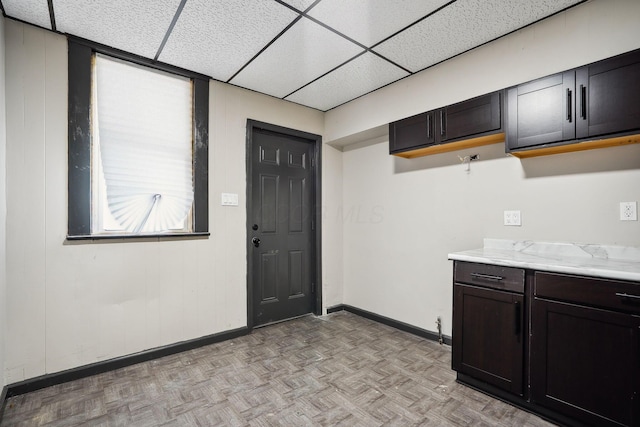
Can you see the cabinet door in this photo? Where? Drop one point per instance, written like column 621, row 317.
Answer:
column 541, row 111
column 466, row 119
column 609, row 96
column 488, row 336
column 412, row 132
column 584, row 363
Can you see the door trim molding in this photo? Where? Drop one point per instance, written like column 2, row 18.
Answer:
column 316, row 140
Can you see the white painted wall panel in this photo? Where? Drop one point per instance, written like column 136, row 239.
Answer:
column 3, row 209
column 332, row 228
column 405, row 216
column 75, row 303
column 25, row 92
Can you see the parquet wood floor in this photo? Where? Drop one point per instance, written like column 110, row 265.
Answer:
column 335, row 370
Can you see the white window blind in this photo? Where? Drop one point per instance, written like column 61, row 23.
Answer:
column 142, row 149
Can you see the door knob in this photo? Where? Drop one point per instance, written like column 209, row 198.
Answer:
column 255, row 241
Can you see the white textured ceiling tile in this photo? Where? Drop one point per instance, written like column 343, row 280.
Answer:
column 304, row 53
column 33, row 11
column 218, row 38
column 301, row 5
column 370, row 21
column 464, row 25
column 136, row 26
column 360, row 76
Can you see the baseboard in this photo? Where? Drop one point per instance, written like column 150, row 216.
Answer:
column 48, row 380
column 433, row 336
column 3, row 398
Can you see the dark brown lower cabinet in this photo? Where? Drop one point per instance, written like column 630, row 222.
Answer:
column 584, row 363
column 488, row 341
column 585, row 359
column 564, row 346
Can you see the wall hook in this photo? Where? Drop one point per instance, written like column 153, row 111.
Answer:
column 466, row 160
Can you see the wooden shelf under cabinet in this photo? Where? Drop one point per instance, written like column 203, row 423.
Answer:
column 452, row 146
column 577, row 146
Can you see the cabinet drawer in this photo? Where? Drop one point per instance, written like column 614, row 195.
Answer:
column 610, row 294
column 489, row 276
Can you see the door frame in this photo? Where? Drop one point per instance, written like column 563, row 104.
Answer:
column 316, row 209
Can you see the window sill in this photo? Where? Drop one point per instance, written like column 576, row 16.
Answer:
column 158, row 237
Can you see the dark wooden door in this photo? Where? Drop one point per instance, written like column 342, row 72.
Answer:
column 474, row 117
column 585, row 363
column 411, row 133
column 488, row 335
column 281, row 226
column 608, row 96
column 542, row 111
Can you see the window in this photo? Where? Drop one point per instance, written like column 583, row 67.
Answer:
column 138, row 147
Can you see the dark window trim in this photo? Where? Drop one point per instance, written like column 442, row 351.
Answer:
column 80, row 55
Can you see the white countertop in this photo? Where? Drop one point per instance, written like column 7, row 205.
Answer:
column 611, row 262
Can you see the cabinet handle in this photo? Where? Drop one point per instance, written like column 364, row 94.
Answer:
column 569, row 105
column 487, row 276
column 428, row 126
column 442, row 124
column 518, row 315
column 583, row 102
column 627, row 296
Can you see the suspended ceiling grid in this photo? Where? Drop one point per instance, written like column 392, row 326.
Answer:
column 318, row 53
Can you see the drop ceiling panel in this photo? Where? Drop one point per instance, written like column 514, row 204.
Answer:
column 34, row 11
column 360, row 76
column 218, row 38
column 370, row 21
column 464, row 25
column 303, row 53
column 136, row 26
column 301, row 5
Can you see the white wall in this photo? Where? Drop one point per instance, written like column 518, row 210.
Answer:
column 405, row 216
column 3, row 210
column 71, row 304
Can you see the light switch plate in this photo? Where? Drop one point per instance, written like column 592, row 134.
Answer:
column 628, row 211
column 229, row 199
column 512, row 218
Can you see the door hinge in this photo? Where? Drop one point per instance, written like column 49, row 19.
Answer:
column 313, row 225
column 313, row 288
column 313, row 161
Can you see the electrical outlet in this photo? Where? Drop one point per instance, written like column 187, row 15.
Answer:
column 512, row 218
column 628, row 211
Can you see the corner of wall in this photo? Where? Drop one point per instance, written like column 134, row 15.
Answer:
column 3, row 210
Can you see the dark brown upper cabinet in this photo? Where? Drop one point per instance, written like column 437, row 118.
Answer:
column 412, row 132
column 589, row 107
column 475, row 117
column 608, row 94
column 541, row 111
column 470, row 123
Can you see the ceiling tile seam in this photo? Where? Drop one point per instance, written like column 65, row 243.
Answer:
column 176, row 16
column 296, row 10
column 280, row 34
column 333, row 30
column 328, row 72
column 52, row 15
column 413, row 23
column 362, row 46
column 379, row 55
